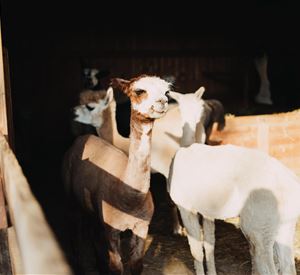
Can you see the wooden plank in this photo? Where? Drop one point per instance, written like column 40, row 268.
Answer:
column 14, row 252
column 3, row 218
column 276, row 134
column 8, row 98
column 40, row 252
column 5, row 266
column 3, row 111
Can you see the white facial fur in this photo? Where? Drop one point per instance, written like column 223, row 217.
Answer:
column 191, row 107
column 93, row 117
column 155, row 104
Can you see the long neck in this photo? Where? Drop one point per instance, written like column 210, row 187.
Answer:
column 137, row 173
column 188, row 135
column 192, row 134
column 109, row 130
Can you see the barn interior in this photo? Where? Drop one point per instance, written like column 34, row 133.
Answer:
column 48, row 44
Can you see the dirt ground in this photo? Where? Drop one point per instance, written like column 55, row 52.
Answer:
column 170, row 255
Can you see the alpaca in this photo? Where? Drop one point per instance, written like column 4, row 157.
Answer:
column 113, row 185
column 92, row 105
column 203, row 114
column 87, row 116
column 264, row 94
column 100, row 114
column 95, row 79
column 247, row 183
column 167, row 132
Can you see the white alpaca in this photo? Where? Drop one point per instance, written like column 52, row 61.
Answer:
column 114, row 186
column 226, row 181
column 167, row 131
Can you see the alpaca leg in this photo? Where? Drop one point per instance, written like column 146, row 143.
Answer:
column 209, row 245
column 284, row 248
column 85, row 244
column 259, row 222
column 261, row 251
column 114, row 248
column 195, row 237
column 263, row 259
column 178, row 229
column 261, row 236
column 137, row 246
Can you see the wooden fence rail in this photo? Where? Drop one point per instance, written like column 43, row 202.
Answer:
column 35, row 243
column 276, row 134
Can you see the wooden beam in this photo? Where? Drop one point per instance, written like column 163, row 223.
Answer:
column 5, row 263
column 14, row 252
column 3, row 111
column 276, row 134
column 3, row 218
column 39, row 250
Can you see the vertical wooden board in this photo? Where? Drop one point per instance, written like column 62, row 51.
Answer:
column 8, row 98
column 5, row 263
column 3, row 111
column 14, row 252
column 3, row 218
column 276, row 134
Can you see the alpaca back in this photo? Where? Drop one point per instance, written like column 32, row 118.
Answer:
column 99, row 163
column 217, row 180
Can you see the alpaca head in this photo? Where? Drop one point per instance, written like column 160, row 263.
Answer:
column 95, row 79
column 148, row 95
column 92, row 106
column 90, row 78
column 191, row 108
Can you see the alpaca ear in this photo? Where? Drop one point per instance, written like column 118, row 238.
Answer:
column 109, row 96
column 119, row 84
column 174, row 95
column 199, row 93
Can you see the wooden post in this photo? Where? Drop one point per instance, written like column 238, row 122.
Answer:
column 3, row 111
column 5, row 262
column 6, row 119
column 39, row 250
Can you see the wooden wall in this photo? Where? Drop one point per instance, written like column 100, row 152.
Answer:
column 276, row 134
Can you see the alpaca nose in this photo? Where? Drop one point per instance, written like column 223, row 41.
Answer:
column 163, row 100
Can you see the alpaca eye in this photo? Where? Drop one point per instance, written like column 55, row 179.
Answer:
column 167, row 94
column 140, row 92
column 89, row 107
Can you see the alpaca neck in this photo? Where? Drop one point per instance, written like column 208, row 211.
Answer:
column 109, row 130
column 188, row 135
column 137, row 173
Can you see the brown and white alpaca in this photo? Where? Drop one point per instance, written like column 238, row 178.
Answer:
column 116, row 187
column 92, row 105
column 167, row 131
column 87, row 116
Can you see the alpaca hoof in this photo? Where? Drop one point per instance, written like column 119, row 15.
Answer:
column 180, row 230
